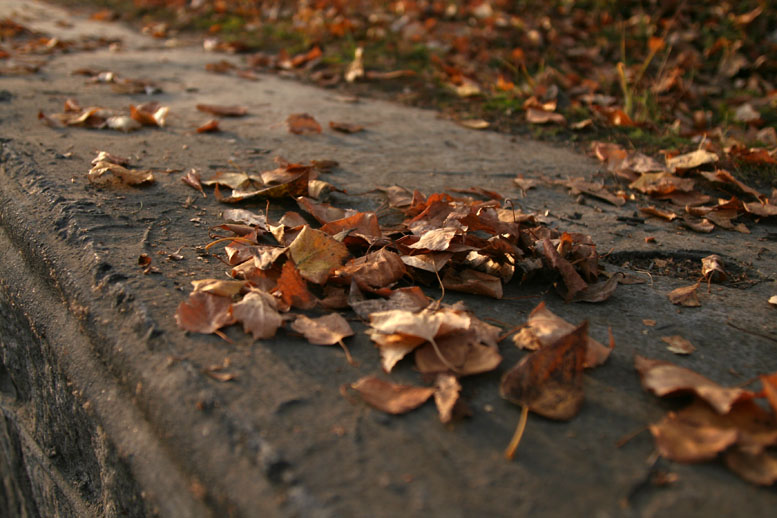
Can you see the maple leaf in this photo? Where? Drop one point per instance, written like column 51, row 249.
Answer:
column 303, row 124
column 258, row 311
column 549, row 381
column 204, row 313
column 664, row 378
column 390, row 397
column 545, row 327
column 316, row 254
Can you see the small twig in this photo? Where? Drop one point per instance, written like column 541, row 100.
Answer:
column 516, row 440
column 236, row 238
column 629, row 436
column 348, row 356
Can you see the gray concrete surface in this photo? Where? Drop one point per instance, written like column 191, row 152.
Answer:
column 106, row 412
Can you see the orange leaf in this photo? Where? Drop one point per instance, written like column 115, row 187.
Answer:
column 258, row 311
column 303, row 124
column 223, row 111
column 327, row 330
column 204, row 313
column 293, row 289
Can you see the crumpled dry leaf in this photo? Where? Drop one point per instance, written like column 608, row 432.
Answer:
column 459, row 353
column 678, row 344
column 685, row 296
column 355, row 68
column 550, row 381
column 375, row 270
column 302, row 124
column 212, row 126
column 204, row 313
column 124, row 175
column 258, row 311
column 316, row 254
column 327, row 330
column 712, row 268
column 446, row 395
column 192, row 179
column 390, row 397
column 543, row 328
column 684, row 442
column 572, row 280
column 578, row 185
column 664, row 378
column 538, row 116
column 410, row 299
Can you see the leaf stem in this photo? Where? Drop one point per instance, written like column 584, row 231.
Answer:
column 516, row 440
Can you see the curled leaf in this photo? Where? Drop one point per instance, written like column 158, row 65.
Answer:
column 391, row 397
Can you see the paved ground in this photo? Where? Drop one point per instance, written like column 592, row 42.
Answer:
column 105, row 410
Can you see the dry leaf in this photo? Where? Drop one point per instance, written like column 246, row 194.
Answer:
column 664, row 378
column 690, row 160
column 303, row 124
column 550, row 381
column 316, row 254
column 393, row 347
column 204, row 313
column 545, row 327
column 355, row 68
column 684, row 442
column 685, row 296
column 223, row 111
column 678, row 344
column 127, row 176
column 345, row 127
column 759, row 468
column 538, row 116
column 446, row 395
column 389, row 397
column 258, row 311
column 211, row 126
column 572, row 280
column 476, row 124
column 293, row 289
column 222, row 288
column 712, row 268
column 192, row 179
column 659, row 213
column 459, row 353
column 327, row 330
column 473, row 281
column 600, row 291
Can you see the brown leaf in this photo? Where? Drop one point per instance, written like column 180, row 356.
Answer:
column 664, row 378
column 258, row 311
column 578, row 185
column 446, row 395
column 691, row 160
column 473, row 281
column 550, row 381
column 572, row 280
column 600, row 291
column 433, row 262
column 393, row 347
column 759, row 468
column 327, row 330
column 476, row 124
column 685, row 296
column 538, row 116
column 127, row 176
column 293, row 289
column 316, row 254
column 376, row 270
column 545, row 327
column 222, row 288
column 684, row 442
column 345, row 127
column 409, row 299
column 663, row 214
column 724, row 177
column 678, row 344
column 223, row 111
column 461, row 353
column 435, row 240
column 192, row 179
column 363, row 225
column 303, row 124
column 204, row 313
column 212, row 126
column 390, row 397
column 712, row 268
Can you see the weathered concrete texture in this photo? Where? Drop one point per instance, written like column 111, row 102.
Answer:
column 106, row 412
